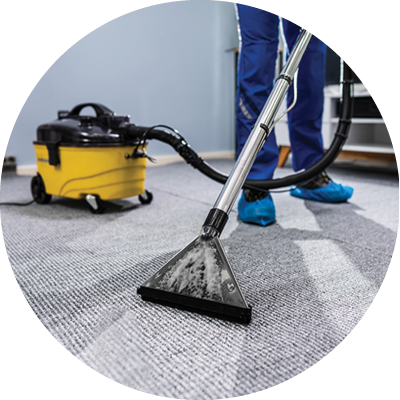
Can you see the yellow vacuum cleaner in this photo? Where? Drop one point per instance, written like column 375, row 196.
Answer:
column 84, row 157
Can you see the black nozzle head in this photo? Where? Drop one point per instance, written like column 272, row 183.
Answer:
column 200, row 279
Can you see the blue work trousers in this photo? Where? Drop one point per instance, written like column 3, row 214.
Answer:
column 259, row 32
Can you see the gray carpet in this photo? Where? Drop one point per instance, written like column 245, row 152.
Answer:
column 310, row 278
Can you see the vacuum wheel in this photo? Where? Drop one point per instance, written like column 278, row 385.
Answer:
column 96, row 205
column 38, row 190
column 146, row 197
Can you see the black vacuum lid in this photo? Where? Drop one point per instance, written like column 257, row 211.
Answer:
column 73, row 129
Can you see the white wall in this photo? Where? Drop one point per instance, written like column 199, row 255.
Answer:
column 167, row 64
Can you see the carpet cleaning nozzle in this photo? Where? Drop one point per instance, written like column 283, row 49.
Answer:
column 199, row 278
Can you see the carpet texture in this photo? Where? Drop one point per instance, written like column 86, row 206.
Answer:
column 310, row 278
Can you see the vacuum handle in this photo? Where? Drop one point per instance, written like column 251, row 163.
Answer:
column 98, row 108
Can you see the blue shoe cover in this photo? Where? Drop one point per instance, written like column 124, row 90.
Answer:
column 332, row 193
column 260, row 212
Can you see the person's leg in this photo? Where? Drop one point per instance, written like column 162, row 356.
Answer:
column 305, row 120
column 259, row 38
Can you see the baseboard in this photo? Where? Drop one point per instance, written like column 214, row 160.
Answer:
column 170, row 159
column 30, row 170
column 228, row 155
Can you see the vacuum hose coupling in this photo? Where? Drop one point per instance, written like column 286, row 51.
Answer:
column 214, row 224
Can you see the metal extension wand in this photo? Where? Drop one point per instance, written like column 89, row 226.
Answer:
column 199, row 278
column 218, row 215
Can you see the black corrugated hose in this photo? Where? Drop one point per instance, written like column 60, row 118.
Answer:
column 175, row 140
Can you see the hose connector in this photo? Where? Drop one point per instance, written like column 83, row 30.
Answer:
column 214, row 223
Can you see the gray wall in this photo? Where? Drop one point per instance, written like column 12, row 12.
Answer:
column 167, row 64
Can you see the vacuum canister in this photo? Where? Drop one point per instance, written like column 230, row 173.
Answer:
column 87, row 157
